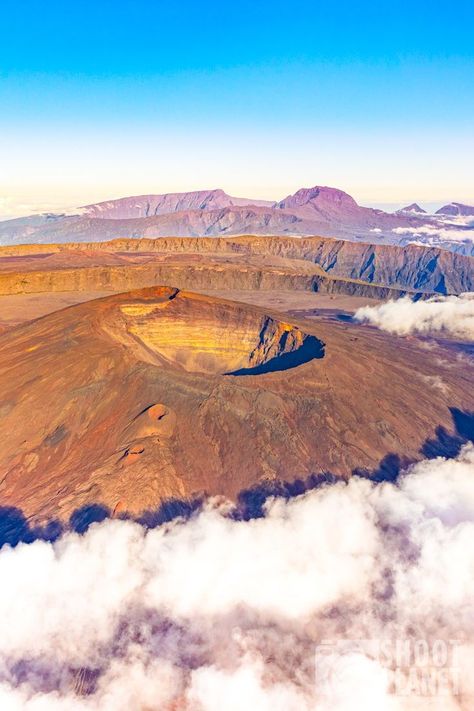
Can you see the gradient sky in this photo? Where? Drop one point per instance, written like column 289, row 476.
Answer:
column 104, row 99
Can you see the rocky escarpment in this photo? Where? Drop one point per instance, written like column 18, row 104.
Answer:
column 410, row 268
column 184, row 276
column 413, row 268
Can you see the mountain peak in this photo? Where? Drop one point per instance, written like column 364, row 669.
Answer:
column 319, row 194
column 456, row 208
column 414, row 207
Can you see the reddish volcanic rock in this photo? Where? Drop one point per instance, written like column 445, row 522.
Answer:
column 161, row 394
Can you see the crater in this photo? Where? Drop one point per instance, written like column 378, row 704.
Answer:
column 206, row 335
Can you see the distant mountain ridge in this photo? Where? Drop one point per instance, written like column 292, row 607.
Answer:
column 152, row 205
column 456, row 208
column 318, row 210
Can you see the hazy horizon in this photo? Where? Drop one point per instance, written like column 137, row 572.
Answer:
column 254, row 99
column 9, row 209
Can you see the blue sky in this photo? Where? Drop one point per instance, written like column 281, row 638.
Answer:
column 104, row 99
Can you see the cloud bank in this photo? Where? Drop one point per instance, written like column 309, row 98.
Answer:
column 449, row 314
column 437, row 234
column 213, row 613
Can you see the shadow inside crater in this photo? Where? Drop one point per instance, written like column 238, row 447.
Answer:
column 311, row 348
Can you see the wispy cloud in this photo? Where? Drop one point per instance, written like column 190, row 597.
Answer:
column 457, row 220
column 438, row 234
column 449, row 314
column 11, row 208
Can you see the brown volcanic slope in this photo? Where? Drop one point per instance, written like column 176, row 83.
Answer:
column 139, row 397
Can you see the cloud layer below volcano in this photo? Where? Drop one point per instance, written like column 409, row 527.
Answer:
column 213, row 612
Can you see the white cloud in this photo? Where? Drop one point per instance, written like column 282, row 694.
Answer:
column 214, row 613
column 10, row 208
column 435, row 234
column 448, row 314
column 457, row 220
